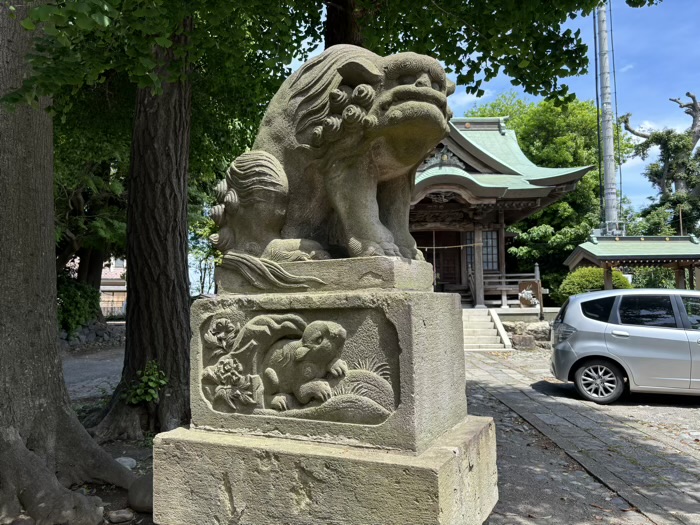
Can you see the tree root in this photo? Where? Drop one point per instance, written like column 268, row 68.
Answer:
column 120, row 422
column 35, row 473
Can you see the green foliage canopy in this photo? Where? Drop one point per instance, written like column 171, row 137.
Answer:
column 91, row 160
column 255, row 39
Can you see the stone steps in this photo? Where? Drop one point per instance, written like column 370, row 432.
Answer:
column 475, row 332
column 483, row 339
column 484, row 346
column 479, row 331
column 479, row 325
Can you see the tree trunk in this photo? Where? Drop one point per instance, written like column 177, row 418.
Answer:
column 43, row 447
column 157, row 317
column 90, row 268
column 341, row 23
column 90, row 272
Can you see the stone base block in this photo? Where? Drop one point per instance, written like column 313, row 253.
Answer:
column 358, row 273
column 218, row 478
column 413, row 339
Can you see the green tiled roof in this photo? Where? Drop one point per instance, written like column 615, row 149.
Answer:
column 636, row 249
column 503, row 147
column 484, row 184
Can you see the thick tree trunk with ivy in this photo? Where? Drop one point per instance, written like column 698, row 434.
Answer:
column 341, row 25
column 157, row 318
column 43, row 447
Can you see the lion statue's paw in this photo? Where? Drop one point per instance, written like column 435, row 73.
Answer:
column 411, row 252
column 366, row 248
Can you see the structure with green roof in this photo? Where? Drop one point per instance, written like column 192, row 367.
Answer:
column 676, row 252
column 474, row 185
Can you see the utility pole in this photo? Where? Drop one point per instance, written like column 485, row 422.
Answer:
column 612, row 225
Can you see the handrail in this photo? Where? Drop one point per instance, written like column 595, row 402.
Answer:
column 472, row 283
column 500, row 330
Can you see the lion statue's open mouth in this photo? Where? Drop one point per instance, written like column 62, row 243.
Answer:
column 337, row 151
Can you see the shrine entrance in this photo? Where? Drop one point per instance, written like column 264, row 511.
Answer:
column 442, row 250
column 474, row 185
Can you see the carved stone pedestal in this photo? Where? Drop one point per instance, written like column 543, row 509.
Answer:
column 218, row 478
column 329, row 407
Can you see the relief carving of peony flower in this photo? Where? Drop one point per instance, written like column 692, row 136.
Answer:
column 234, row 388
column 221, row 336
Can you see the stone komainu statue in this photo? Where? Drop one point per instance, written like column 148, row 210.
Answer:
column 333, row 165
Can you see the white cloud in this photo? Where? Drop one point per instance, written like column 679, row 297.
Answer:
column 634, row 162
column 678, row 124
column 626, row 68
column 460, row 100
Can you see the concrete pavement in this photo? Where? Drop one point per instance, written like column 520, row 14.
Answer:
column 92, row 374
column 656, row 473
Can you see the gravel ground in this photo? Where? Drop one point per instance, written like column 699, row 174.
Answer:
column 538, row 482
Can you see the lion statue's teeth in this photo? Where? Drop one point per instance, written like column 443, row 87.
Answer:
column 335, row 158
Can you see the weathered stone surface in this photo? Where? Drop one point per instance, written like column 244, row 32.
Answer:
column 523, row 342
column 327, row 390
column 529, row 335
column 366, row 273
column 410, row 341
column 23, row 520
column 252, row 480
column 541, row 331
column 334, row 161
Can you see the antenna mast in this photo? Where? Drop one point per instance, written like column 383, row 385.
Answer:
column 612, row 221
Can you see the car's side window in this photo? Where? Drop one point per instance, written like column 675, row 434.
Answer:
column 598, row 309
column 692, row 308
column 647, row 310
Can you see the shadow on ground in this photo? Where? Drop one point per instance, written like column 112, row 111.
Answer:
column 645, row 448
column 538, row 482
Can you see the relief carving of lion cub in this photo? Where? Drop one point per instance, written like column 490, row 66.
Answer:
column 298, row 368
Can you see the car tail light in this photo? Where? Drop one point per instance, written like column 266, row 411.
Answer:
column 563, row 332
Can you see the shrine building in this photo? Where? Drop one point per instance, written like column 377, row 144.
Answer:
column 475, row 184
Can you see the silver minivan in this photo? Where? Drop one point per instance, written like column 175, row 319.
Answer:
column 644, row 340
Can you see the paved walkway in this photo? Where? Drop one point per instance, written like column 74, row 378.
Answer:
column 658, row 475
column 92, row 374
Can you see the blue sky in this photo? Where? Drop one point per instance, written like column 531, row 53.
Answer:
column 656, row 56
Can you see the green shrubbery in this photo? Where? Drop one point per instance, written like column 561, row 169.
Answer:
column 587, row 280
column 78, row 304
column 653, row 277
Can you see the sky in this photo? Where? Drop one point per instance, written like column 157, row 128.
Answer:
column 656, row 57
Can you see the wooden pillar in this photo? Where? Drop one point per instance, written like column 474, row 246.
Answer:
column 502, row 256
column 463, row 258
column 691, row 277
column 501, row 242
column 680, row 277
column 607, row 278
column 479, row 266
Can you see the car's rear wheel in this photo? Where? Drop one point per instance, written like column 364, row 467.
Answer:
column 599, row 381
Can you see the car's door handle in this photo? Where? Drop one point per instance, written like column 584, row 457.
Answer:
column 620, row 333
